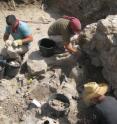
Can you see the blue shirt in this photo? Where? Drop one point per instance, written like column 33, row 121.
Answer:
column 21, row 32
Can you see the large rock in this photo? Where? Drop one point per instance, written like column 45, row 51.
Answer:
column 100, row 42
column 87, row 10
column 36, row 63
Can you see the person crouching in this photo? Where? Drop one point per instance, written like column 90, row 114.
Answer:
column 105, row 107
column 63, row 31
column 22, row 36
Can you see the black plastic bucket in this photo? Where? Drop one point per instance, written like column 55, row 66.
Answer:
column 62, row 98
column 47, row 47
column 12, row 69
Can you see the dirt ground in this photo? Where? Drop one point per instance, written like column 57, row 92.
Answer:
column 15, row 107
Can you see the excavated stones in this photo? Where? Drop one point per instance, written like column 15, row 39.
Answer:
column 99, row 41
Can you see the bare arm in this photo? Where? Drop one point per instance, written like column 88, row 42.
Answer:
column 27, row 39
column 6, row 36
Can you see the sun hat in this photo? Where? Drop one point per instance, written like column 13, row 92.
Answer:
column 93, row 90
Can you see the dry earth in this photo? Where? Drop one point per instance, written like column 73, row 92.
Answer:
column 15, row 98
column 13, row 106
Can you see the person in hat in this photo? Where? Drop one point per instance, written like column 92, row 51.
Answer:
column 64, row 32
column 21, row 33
column 105, row 107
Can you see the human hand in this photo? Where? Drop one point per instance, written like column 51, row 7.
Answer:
column 17, row 43
column 8, row 42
